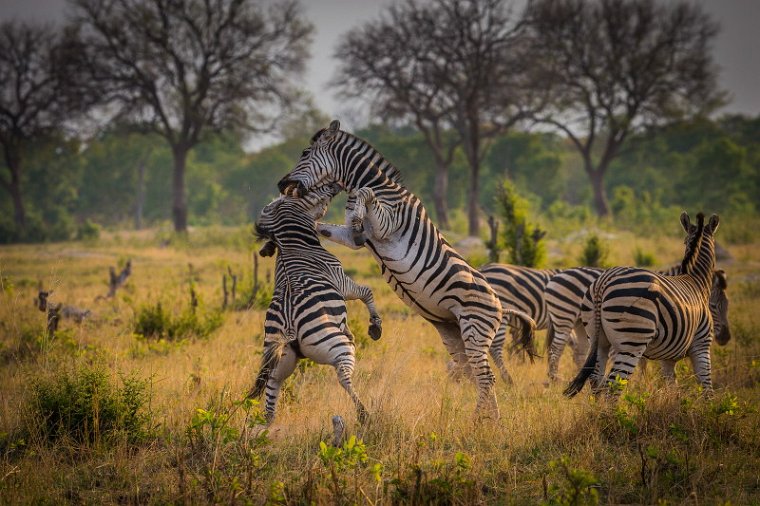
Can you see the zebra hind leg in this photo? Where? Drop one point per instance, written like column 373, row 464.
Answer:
column 345, row 371
column 557, row 346
column 497, row 352
column 476, row 346
column 281, row 372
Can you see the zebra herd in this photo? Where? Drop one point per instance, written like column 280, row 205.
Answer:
column 627, row 314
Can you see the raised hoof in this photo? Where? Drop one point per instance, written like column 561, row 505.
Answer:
column 325, row 233
column 359, row 238
column 375, row 331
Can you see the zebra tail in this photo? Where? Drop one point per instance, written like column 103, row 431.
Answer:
column 527, row 330
column 269, row 362
column 589, row 366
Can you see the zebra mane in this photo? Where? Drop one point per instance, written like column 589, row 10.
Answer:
column 385, row 167
column 692, row 248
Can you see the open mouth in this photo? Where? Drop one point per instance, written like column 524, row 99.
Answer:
column 291, row 188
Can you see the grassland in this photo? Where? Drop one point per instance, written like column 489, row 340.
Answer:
column 191, row 440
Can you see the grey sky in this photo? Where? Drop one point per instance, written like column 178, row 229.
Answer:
column 737, row 48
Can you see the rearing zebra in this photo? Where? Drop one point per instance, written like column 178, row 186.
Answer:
column 629, row 313
column 415, row 260
column 307, row 315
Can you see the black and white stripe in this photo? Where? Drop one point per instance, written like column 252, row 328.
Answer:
column 522, row 289
column 414, row 258
column 631, row 313
column 307, row 316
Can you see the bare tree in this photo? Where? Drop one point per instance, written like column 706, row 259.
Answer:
column 184, row 67
column 454, row 67
column 616, row 66
column 34, row 96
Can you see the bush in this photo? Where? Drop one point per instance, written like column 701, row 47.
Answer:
column 523, row 240
column 88, row 231
column 594, row 253
column 643, row 258
column 153, row 321
column 86, row 406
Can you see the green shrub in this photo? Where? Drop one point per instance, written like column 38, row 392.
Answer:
column 86, row 406
column 88, row 231
column 594, row 253
column 153, row 321
column 643, row 258
column 523, row 240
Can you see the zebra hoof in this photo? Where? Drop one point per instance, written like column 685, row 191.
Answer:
column 325, row 233
column 359, row 239
column 375, row 331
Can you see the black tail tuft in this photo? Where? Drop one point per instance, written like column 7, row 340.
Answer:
column 526, row 329
column 269, row 363
column 586, row 371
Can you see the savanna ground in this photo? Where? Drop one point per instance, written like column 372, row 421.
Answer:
column 99, row 414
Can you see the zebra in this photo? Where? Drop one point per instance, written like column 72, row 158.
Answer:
column 629, row 313
column 564, row 296
column 421, row 267
column 307, row 316
column 520, row 288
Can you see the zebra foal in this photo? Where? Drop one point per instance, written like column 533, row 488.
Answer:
column 631, row 313
column 415, row 260
column 307, row 316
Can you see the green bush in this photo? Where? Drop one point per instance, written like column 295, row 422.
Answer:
column 153, row 321
column 88, row 231
column 594, row 253
column 643, row 258
column 86, row 406
column 523, row 240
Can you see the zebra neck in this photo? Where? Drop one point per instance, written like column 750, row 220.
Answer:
column 702, row 266
column 362, row 166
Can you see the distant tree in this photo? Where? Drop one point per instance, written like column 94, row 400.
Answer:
column 35, row 97
column 186, row 67
column 617, row 66
column 452, row 67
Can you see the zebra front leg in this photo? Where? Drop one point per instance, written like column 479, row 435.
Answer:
column 702, row 363
column 345, row 370
column 668, row 370
column 340, row 234
column 356, row 212
column 364, row 293
column 497, row 351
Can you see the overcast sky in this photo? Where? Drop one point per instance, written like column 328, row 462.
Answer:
column 737, row 48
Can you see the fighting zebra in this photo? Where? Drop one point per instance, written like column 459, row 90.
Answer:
column 564, row 297
column 520, row 288
column 629, row 313
column 307, row 315
column 415, row 260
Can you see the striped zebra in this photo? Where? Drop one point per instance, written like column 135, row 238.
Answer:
column 415, row 260
column 631, row 313
column 307, row 316
column 520, row 288
column 564, row 297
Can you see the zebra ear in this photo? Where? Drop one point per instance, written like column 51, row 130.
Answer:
column 714, row 222
column 685, row 221
column 334, row 126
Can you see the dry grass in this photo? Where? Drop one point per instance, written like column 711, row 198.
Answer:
column 423, row 445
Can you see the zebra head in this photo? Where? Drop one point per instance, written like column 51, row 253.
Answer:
column 293, row 216
column 693, row 240
column 318, row 163
column 719, row 307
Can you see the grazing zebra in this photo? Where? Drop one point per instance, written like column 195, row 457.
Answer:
column 415, row 260
column 520, row 288
column 629, row 313
column 564, row 297
column 307, row 315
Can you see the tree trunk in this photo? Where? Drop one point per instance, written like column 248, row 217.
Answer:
column 13, row 162
column 471, row 148
column 140, row 195
column 440, row 192
column 600, row 195
column 179, row 201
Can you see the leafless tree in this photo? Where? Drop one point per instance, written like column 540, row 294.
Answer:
column 35, row 96
column 187, row 66
column 452, row 67
column 615, row 66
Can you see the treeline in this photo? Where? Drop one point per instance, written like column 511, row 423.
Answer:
column 711, row 165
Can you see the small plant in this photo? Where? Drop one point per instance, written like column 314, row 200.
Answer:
column 153, row 321
column 86, row 406
column 595, row 252
column 88, row 231
column 579, row 487
column 523, row 240
column 643, row 258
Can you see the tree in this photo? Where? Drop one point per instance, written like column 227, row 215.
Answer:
column 34, row 97
column 186, row 67
column 452, row 67
column 618, row 66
